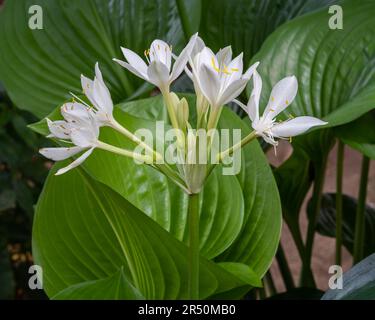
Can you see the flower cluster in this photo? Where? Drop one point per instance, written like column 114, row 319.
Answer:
column 218, row 79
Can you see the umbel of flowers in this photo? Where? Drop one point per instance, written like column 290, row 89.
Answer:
column 218, row 79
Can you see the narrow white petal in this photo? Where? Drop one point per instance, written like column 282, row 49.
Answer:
column 76, row 162
column 249, row 72
column 59, row 129
column 158, row 74
column 87, row 87
column 57, row 154
column 296, row 126
column 240, row 104
column 224, row 56
column 232, row 91
column 131, row 69
column 198, row 46
column 75, row 113
column 234, row 68
column 253, row 104
column 183, row 58
column 101, row 94
column 282, row 95
column 135, row 61
column 210, row 84
column 161, row 51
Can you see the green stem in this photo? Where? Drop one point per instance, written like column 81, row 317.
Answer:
column 251, row 136
column 193, row 246
column 284, row 268
column 118, row 127
column 359, row 236
column 307, row 278
column 339, row 174
column 270, row 284
column 123, row 152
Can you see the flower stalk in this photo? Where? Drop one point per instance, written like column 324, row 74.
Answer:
column 359, row 234
column 339, row 174
column 193, row 218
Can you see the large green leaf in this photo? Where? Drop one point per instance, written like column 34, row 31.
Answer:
column 245, row 24
column 115, row 287
column 85, row 231
column 335, row 68
column 360, row 134
column 40, row 67
column 327, row 221
column 358, row 283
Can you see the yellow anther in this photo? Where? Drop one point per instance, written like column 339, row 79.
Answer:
column 158, row 47
column 290, row 139
column 273, row 99
column 272, row 110
column 286, row 102
column 213, row 65
column 234, row 69
column 291, row 116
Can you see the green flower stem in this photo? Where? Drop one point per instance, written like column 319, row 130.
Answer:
column 123, row 152
column 213, row 119
column 284, row 268
column 359, row 236
column 250, row 137
column 193, row 246
column 118, row 127
column 170, row 108
column 339, row 174
column 307, row 278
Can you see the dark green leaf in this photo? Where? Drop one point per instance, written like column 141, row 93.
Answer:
column 358, row 283
column 327, row 221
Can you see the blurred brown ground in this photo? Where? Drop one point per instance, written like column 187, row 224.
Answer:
column 324, row 247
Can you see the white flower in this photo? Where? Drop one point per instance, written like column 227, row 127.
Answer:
column 159, row 58
column 79, row 128
column 98, row 94
column 282, row 95
column 217, row 76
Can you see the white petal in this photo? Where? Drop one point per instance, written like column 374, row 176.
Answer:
column 282, row 95
column 249, row 72
column 131, row 69
column 296, row 126
column 85, row 136
column 183, row 58
column 135, row 61
column 198, row 46
column 158, row 74
column 253, row 104
column 101, row 94
column 208, row 58
column 59, row 129
column 210, row 84
column 232, row 91
column 224, row 56
column 75, row 113
column 76, row 162
column 234, row 68
column 87, row 87
column 57, row 154
column 161, row 51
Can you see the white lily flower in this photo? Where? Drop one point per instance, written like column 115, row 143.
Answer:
column 80, row 128
column 158, row 71
column 218, row 77
column 98, row 94
column 282, row 95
